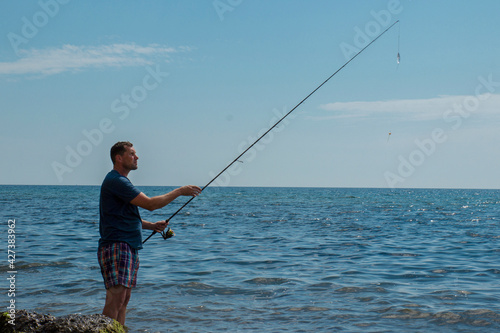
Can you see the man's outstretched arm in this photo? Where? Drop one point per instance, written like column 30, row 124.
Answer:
column 160, row 201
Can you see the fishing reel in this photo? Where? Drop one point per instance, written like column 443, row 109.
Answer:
column 168, row 234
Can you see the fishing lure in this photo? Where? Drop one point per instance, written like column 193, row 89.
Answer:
column 398, row 58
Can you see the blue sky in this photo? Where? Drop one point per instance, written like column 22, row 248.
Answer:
column 192, row 83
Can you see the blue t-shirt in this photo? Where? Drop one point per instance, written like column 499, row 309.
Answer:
column 119, row 219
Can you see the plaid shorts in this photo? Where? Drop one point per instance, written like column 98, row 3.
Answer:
column 119, row 264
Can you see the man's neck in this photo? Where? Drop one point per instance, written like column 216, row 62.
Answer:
column 122, row 171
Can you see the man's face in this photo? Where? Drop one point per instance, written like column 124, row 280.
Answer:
column 129, row 159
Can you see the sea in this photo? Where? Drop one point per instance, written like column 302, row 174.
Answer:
column 261, row 259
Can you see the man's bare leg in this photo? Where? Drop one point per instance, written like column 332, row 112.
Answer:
column 117, row 298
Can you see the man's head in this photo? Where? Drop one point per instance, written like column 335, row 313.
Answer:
column 123, row 154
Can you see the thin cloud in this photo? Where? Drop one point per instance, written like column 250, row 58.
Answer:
column 411, row 109
column 73, row 58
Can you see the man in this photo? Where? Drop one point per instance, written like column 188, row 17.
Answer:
column 120, row 227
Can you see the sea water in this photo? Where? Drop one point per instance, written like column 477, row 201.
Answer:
column 271, row 259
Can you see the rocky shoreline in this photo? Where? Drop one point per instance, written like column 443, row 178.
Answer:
column 26, row 321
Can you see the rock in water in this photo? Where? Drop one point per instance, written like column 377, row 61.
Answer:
column 40, row 323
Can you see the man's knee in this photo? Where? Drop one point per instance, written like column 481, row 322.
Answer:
column 119, row 289
column 119, row 294
column 127, row 296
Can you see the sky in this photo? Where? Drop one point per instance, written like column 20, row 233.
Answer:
column 193, row 83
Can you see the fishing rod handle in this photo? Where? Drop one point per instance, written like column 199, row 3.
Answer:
column 154, row 232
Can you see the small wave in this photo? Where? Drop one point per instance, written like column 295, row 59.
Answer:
column 197, row 285
column 407, row 314
column 198, row 288
column 203, row 308
column 332, row 277
column 91, row 292
column 450, row 294
column 477, row 317
column 200, row 273
column 346, row 290
column 45, row 292
column 87, row 221
column 309, row 308
column 354, row 290
column 320, row 286
column 268, row 281
column 399, row 254
column 34, row 265
column 255, row 262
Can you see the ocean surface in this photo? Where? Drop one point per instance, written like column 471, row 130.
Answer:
column 271, row 259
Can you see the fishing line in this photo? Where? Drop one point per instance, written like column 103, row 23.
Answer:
column 166, row 234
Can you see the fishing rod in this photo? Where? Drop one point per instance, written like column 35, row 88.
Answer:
column 167, row 234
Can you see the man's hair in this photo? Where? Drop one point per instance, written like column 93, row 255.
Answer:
column 119, row 148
